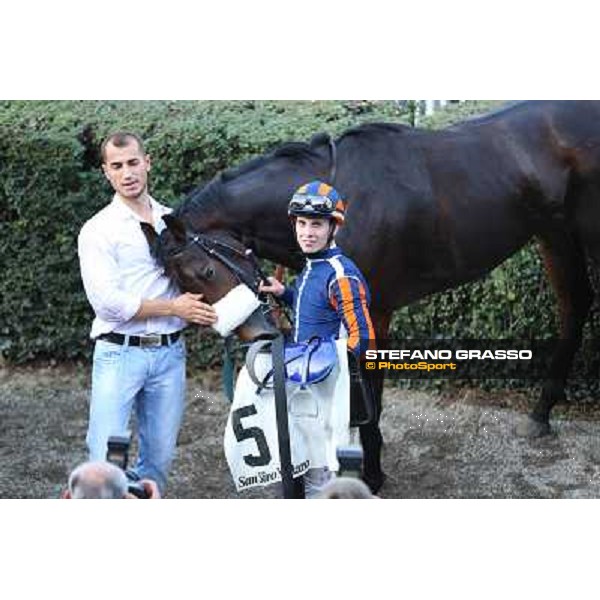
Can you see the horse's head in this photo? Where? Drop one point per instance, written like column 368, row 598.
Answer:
column 219, row 266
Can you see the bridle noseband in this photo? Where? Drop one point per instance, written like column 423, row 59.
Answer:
column 218, row 250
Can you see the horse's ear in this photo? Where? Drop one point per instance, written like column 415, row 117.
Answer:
column 176, row 227
column 150, row 234
column 250, row 242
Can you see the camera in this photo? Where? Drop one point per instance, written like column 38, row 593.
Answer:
column 350, row 459
column 118, row 454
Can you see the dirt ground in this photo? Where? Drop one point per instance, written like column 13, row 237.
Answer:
column 459, row 444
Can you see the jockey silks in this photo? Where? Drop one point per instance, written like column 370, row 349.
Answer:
column 330, row 299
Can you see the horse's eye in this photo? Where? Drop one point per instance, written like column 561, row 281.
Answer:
column 209, row 273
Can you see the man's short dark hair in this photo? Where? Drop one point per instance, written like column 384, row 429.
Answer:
column 121, row 139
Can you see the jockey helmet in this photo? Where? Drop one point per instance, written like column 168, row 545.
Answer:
column 317, row 200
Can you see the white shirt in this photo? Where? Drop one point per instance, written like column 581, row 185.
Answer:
column 118, row 271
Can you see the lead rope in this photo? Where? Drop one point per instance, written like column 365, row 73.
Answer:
column 281, row 416
column 228, row 369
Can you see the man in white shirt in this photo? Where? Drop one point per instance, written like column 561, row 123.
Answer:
column 139, row 355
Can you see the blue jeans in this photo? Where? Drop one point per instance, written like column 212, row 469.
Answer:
column 154, row 380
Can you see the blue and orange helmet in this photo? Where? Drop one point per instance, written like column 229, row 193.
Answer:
column 317, row 199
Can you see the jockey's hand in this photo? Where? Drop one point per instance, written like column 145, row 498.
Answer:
column 191, row 308
column 274, row 287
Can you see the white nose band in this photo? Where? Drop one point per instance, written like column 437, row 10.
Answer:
column 234, row 308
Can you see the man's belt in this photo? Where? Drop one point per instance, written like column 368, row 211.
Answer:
column 143, row 341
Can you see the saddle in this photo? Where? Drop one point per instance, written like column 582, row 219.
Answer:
column 311, row 362
column 305, row 362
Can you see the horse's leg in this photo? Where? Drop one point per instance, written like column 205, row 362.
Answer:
column 370, row 435
column 566, row 268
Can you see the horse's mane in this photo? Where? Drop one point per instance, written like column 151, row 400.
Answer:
column 397, row 128
column 202, row 196
column 211, row 194
column 492, row 115
column 375, row 128
column 292, row 150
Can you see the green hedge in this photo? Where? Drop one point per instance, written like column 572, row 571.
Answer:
column 50, row 184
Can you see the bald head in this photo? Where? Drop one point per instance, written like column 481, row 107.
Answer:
column 99, row 481
column 346, row 488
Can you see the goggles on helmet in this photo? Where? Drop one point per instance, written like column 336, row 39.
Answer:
column 320, row 204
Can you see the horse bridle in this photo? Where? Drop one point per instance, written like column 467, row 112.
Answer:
column 211, row 246
column 215, row 248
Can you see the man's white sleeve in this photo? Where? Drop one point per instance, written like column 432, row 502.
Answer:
column 100, row 275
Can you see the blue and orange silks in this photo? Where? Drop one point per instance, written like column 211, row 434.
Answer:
column 330, row 299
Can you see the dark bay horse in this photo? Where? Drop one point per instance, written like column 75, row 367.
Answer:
column 429, row 210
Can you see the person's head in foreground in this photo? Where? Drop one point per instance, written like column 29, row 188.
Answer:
column 98, row 481
column 346, row 488
column 102, row 480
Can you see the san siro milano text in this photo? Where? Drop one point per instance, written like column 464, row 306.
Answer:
column 271, row 476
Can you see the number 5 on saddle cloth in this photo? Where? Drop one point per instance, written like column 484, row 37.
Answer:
column 311, row 362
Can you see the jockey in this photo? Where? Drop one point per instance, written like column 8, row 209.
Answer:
column 330, row 298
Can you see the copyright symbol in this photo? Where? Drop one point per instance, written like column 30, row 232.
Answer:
column 370, row 365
